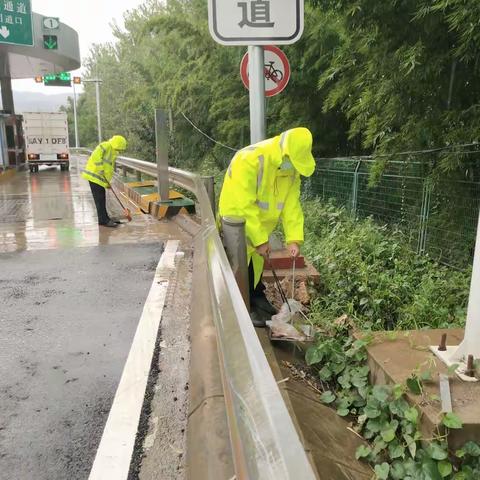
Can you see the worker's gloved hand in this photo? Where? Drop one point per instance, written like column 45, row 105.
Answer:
column 293, row 249
column 264, row 250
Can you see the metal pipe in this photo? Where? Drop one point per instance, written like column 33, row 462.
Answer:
column 162, row 141
column 209, row 183
column 234, row 239
column 77, row 144
column 256, row 67
column 99, row 120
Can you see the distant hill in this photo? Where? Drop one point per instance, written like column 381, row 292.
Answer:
column 38, row 102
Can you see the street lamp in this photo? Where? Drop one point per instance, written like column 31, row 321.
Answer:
column 97, row 83
column 76, row 81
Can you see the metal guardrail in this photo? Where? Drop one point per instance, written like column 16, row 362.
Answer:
column 264, row 441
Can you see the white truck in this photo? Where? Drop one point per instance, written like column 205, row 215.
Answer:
column 46, row 140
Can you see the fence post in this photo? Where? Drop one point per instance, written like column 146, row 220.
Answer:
column 124, row 172
column 424, row 218
column 233, row 229
column 209, row 183
column 355, row 189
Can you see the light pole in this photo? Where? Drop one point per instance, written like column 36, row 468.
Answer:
column 75, row 114
column 97, row 83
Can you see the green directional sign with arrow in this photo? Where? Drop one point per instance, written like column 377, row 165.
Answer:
column 50, row 42
column 16, row 22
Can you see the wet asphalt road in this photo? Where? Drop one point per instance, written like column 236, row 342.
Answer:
column 67, row 319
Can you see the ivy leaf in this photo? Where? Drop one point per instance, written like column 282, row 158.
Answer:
column 375, row 425
column 472, row 449
column 396, row 450
column 412, row 415
column 430, row 470
column 372, row 411
column 445, row 468
column 397, row 471
column 426, row 376
column 437, row 451
column 314, row 355
column 398, row 391
column 382, row 471
column 453, row 368
column 452, row 421
column 380, row 393
column 388, row 435
column 327, row 397
column 343, row 412
column 363, row 451
column 411, row 444
column 325, row 373
column 414, row 385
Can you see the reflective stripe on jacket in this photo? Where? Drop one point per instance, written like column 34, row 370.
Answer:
column 263, row 187
column 100, row 165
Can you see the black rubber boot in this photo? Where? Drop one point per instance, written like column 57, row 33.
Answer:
column 260, row 302
column 110, row 224
column 258, row 320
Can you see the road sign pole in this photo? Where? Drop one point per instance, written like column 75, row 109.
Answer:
column 99, row 120
column 75, row 116
column 257, row 94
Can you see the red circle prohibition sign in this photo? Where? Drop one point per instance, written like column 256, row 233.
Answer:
column 276, row 70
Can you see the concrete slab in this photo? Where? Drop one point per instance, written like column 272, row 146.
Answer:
column 394, row 357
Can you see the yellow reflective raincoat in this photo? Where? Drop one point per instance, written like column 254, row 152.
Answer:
column 101, row 164
column 262, row 185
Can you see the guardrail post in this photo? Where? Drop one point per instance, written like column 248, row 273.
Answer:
column 161, row 137
column 139, row 176
column 234, row 239
column 209, row 183
column 124, row 172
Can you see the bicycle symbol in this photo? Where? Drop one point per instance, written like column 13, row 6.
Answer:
column 273, row 74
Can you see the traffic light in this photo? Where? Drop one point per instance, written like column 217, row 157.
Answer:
column 77, row 80
column 50, row 42
column 63, row 79
column 38, row 79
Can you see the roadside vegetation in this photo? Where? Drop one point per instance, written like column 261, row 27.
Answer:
column 370, row 280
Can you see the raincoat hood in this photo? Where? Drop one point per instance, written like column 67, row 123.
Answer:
column 118, row 143
column 297, row 145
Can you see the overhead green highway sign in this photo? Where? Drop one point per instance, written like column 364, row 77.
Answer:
column 63, row 79
column 16, row 22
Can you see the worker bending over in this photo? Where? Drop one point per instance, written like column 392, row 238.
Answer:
column 262, row 185
column 99, row 172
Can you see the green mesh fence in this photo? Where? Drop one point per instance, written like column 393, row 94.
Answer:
column 438, row 215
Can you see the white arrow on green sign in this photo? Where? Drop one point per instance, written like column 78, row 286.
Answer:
column 16, row 22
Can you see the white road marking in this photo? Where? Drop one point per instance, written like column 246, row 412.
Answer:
column 114, row 453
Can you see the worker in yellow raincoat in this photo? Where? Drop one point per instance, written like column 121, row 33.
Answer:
column 262, row 185
column 99, row 172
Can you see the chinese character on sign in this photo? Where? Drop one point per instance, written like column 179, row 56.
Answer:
column 21, row 8
column 8, row 6
column 259, row 14
column 9, row 19
column 18, row 21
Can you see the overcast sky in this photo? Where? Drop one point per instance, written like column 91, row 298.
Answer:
column 90, row 18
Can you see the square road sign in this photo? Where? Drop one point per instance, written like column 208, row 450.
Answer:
column 16, row 22
column 256, row 22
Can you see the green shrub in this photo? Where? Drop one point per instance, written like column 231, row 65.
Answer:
column 370, row 273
